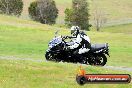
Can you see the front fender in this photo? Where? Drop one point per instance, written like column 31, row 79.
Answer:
column 48, row 50
column 51, row 51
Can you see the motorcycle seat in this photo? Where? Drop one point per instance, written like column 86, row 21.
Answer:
column 96, row 47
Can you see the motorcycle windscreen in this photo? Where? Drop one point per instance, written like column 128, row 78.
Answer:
column 55, row 42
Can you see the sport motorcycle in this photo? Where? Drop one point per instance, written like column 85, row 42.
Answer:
column 58, row 52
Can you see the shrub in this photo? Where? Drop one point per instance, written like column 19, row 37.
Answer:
column 11, row 7
column 43, row 11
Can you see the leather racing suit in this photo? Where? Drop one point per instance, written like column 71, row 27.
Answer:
column 81, row 43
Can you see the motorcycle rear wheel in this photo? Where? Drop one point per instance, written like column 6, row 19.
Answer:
column 103, row 58
column 99, row 60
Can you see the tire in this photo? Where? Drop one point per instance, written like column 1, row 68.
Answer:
column 96, row 60
column 49, row 56
column 104, row 58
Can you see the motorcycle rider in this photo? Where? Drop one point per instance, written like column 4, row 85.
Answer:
column 81, row 42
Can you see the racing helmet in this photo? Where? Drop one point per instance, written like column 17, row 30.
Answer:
column 75, row 30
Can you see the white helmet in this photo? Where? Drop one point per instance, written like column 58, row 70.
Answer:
column 74, row 30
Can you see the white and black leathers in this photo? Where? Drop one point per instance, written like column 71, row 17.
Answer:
column 81, row 42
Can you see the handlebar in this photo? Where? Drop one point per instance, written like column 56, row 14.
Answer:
column 66, row 37
column 63, row 39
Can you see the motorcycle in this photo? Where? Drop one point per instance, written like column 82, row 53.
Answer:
column 58, row 52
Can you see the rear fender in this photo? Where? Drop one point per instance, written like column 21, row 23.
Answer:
column 107, row 50
column 104, row 51
column 107, row 53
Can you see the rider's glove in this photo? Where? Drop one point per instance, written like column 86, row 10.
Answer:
column 66, row 37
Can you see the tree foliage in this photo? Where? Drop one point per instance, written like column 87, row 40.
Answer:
column 44, row 11
column 78, row 14
column 11, row 7
column 68, row 17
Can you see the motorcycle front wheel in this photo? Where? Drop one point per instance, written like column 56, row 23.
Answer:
column 51, row 57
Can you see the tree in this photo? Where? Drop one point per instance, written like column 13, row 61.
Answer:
column 99, row 17
column 11, row 7
column 78, row 14
column 68, row 17
column 44, row 11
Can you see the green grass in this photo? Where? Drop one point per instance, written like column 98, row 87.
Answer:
column 126, row 28
column 27, row 39
column 32, row 42
column 24, row 74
